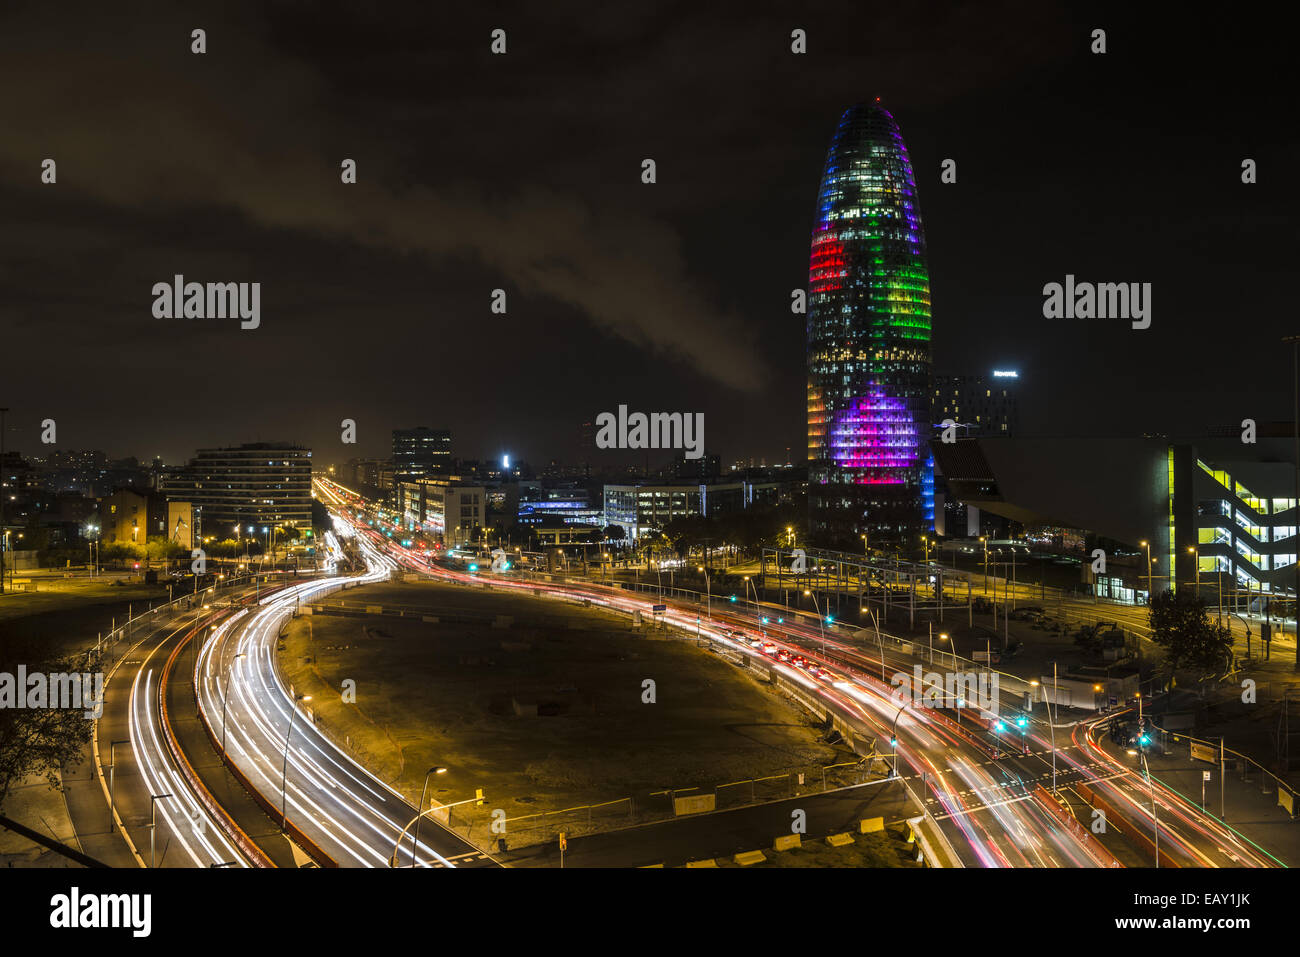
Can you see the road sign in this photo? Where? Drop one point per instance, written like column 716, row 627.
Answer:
column 658, row 608
column 1205, row 775
column 564, row 841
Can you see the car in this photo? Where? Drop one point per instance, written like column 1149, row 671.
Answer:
column 799, row 661
column 756, row 642
column 782, row 655
column 769, row 648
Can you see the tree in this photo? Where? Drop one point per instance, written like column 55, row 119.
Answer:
column 1181, row 625
column 38, row 740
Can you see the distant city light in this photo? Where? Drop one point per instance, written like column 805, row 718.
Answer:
column 1005, row 374
column 505, row 461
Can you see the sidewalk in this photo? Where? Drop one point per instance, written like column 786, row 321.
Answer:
column 87, row 812
column 1252, row 812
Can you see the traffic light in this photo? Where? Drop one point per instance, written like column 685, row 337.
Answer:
column 764, row 620
column 1022, row 723
column 473, row 568
column 1001, row 727
column 780, row 621
column 893, row 742
column 830, row 620
column 1144, row 739
column 733, row 597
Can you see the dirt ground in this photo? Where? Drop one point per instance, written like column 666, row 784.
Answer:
column 542, row 709
column 65, row 616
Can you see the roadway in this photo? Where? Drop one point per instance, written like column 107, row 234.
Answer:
column 352, row 816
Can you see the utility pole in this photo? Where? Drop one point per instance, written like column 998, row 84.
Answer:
column 1295, row 423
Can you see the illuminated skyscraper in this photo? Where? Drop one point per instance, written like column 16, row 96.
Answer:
column 870, row 468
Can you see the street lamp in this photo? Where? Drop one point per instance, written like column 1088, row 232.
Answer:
column 112, row 779
column 284, row 772
column 153, row 822
column 1146, row 772
column 820, row 623
column 984, row 539
column 420, row 810
column 1147, row 546
column 893, row 742
column 708, row 588
column 225, row 694
column 1295, row 343
column 925, row 542
column 94, row 547
column 1196, row 560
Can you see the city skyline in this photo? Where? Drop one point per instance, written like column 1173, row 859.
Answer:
column 589, row 437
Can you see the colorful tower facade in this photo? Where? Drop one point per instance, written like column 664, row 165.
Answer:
column 869, row 380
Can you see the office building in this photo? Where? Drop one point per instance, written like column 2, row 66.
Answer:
column 869, row 389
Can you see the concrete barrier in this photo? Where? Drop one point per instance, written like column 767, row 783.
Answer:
column 694, row 804
column 707, row 862
column 869, row 825
column 746, row 858
column 839, row 840
column 786, row 842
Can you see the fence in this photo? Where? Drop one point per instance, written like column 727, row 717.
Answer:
column 1215, row 752
column 476, row 823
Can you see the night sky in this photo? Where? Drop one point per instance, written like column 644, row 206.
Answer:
column 523, row 172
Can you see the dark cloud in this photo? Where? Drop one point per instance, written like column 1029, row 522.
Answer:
column 522, row 172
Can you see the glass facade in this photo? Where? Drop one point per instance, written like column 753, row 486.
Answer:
column 1249, row 536
column 869, row 387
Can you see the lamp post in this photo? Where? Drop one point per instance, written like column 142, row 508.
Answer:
column 420, row 810
column 984, row 539
column 820, row 623
column 94, row 549
column 284, row 773
column 1151, row 790
column 925, row 542
column 112, row 779
column 866, row 544
column 750, row 585
column 1295, row 344
column 1196, row 560
column 879, row 641
column 153, row 823
column 225, row 693
column 893, row 741
column 1147, row 546
column 708, row 588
